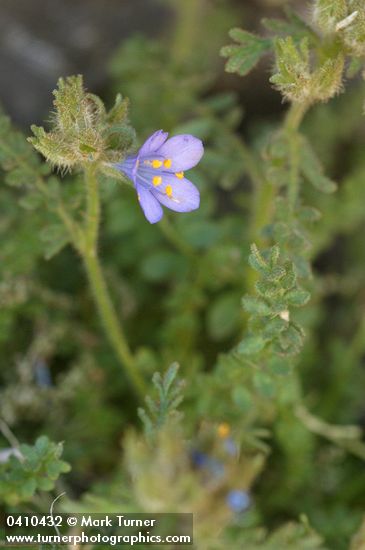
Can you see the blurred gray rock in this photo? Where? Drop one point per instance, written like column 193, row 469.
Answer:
column 41, row 40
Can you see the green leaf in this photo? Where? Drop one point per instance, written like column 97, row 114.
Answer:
column 242, row 398
column 312, row 169
column 244, row 57
column 28, row 488
column 55, row 237
column 257, row 261
column 170, row 376
column 42, row 444
column 327, row 13
column 38, row 469
column 164, row 408
column 46, row 484
column 297, row 297
column 223, row 316
column 251, row 345
column 276, row 273
column 309, row 214
column 119, row 112
column 279, row 366
column 264, row 384
column 267, row 289
column 256, row 306
column 302, row 266
column 291, row 340
column 274, row 327
column 31, row 200
column 293, row 25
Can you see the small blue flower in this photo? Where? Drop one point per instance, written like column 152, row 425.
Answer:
column 209, row 464
column 230, row 446
column 238, row 500
column 198, row 458
column 157, row 172
column 42, row 374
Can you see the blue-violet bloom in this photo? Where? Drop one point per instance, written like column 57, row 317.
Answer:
column 157, row 171
column 230, row 446
column 238, row 500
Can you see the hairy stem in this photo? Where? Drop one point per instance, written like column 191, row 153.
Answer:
column 264, row 192
column 112, row 325
column 186, row 32
column 262, row 198
column 292, row 122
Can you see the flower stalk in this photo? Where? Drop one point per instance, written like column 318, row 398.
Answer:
column 89, row 253
column 292, row 122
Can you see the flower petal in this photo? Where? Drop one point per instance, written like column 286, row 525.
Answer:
column 149, row 204
column 184, row 150
column 153, row 143
column 128, row 166
column 178, row 194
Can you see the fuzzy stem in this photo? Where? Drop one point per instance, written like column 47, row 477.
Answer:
column 262, row 205
column 293, row 120
column 113, row 328
column 262, row 198
column 186, row 32
column 264, row 192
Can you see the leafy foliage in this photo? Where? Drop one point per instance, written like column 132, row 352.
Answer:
column 270, row 321
column 244, row 57
column 162, row 410
column 34, row 468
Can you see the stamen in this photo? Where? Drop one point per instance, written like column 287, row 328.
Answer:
column 168, row 191
column 156, row 163
column 167, row 163
column 179, row 175
column 223, row 430
column 139, row 196
column 157, row 180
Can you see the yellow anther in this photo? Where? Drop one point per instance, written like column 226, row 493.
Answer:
column 223, row 430
column 168, row 191
column 179, row 175
column 139, row 197
column 156, row 163
column 157, row 180
column 167, row 163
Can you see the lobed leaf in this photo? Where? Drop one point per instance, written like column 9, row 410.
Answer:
column 245, row 56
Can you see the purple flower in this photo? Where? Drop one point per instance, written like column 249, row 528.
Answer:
column 157, row 172
column 238, row 500
column 199, row 459
column 230, row 446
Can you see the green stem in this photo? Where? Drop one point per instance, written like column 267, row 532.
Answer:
column 98, row 285
column 186, row 32
column 92, row 211
column 293, row 120
column 262, row 205
column 295, row 116
column 264, row 192
column 262, row 208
